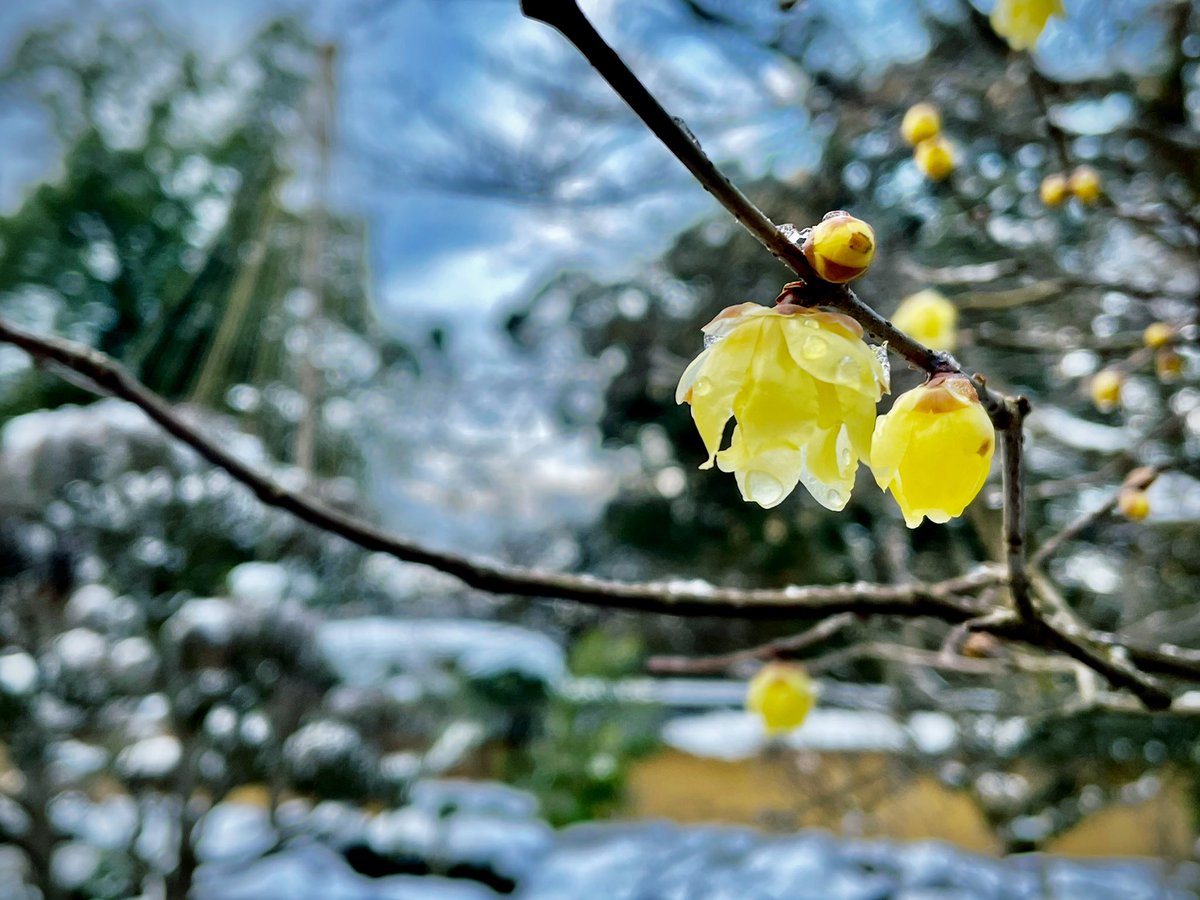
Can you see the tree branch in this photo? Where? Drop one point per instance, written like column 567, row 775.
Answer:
column 941, row 600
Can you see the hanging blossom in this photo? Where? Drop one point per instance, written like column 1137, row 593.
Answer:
column 1021, row 22
column 782, row 695
column 933, row 450
column 802, row 385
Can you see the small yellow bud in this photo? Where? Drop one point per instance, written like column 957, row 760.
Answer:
column 782, row 695
column 1054, row 189
column 841, row 247
column 1021, row 22
column 1085, row 185
column 930, row 318
column 1168, row 365
column 1157, row 334
column 935, row 158
column 933, row 450
column 1133, row 504
column 921, row 122
column 1106, row 389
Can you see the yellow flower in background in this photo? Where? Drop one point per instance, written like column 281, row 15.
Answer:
column 1157, row 334
column 781, row 694
column 933, row 451
column 1106, row 389
column 930, row 318
column 1021, row 22
column 1054, row 189
column 1168, row 365
column 1085, row 185
column 841, row 247
column 802, row 385
column 935, row 158
column 921, row 122
column 1133, row 504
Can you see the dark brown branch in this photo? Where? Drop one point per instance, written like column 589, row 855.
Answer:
column 1013, row 438
column 942, row 600
column 947, row 600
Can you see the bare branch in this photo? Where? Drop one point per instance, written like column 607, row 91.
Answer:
column 1140, row 479
column 780, row 647
column 941, row 600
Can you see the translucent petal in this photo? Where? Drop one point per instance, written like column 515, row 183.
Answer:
column 719, row 381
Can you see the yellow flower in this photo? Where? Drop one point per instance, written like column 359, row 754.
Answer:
column 1133, row 504
column 1106, row 389
column 935, row 158
column 802, row 385
column 1085, row 185
column 782, row 695
column 1168, row 365
column 922, row 121
column 930, row 318
column 934, row 449
column 1054, row 189
column 1157, row 334
column 841, row 247
column 1021, row 22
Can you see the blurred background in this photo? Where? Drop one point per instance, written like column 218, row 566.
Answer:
column 414, row 257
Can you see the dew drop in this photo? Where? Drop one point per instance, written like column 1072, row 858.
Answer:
column 834, row 499
column 815, row 347
column 845, row 457
column 710, row 339
column 701, row 387
column 764, row 489
column 847, row 371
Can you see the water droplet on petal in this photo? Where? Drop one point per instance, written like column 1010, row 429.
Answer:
column 710, row 339
column 701, row 387
column 815, row 347
column 835, row 499
column 845, row 458
column 764, row 489
column 847, row 371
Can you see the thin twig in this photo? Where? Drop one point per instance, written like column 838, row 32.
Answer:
column 780, row 647
column 1142, row 479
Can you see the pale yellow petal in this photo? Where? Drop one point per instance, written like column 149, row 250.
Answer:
column 720, row 379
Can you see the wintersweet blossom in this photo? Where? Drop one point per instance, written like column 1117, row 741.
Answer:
column 782, row 695
column 927, row 316
column 921, row 122
column 1021, row 22
column 802, row 385
column 933, row 450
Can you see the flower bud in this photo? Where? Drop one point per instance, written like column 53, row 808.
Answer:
column 1106, row 389
column 782, row 695
column 1168, row 365
column 930, row 318
column 933, row 450
column 840, row 248
column 1157, row 334
column 1054, row 189
column 921, row 122
column 935, row 158
column 1085, row 185
column 1133, row 504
